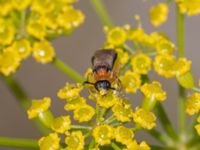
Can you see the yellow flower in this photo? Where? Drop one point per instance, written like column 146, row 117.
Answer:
column 122, row 56
column 70, row 18
column 138, row 36
column 61, row 124
column 50, row 142
column 153, row 91
column 123, row 134
column 133, row 145
column 38, row 6
column 23, row 48
column 144, row 118
column 103, row 134
column 5, row 7
column 7, row 32
column 164, row 46
column 141, row 63
column 75, row 141
column 20, row 4
column 159, row 14
column 122, row 110
column 9, row 61
column 107, row 100
column 163, row 65
column 43, row 52
column 130, row 81
column 36, row 29
column 189, row 7
column 38, row 106
column 84, row 113
column 197, row 127
column 116, row 36
column 75, row 103
column 193, row 104
column 182, row 66
column 70, row 91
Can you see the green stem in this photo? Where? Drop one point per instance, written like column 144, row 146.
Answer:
column 162, row 138
column 18, row 143
column 115, row 146
column 81, row 127
column 195, row 89
column 71, row 73
column 182, row 93
column 165, row 122
column 17, row 90
column 101, row 12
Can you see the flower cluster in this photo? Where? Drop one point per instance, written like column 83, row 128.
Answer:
column 27, row 26
column 87, row 121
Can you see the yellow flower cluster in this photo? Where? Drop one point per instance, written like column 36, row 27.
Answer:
column 103, row 130
column 166, row 65
column 26, row 27
column 189, row 7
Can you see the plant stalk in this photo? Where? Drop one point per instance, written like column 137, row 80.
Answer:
column 18, row 143
column 182, row 92
column 71, row 73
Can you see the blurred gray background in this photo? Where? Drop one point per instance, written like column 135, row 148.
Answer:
column 76, row 50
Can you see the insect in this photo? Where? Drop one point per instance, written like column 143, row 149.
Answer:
column 104, row 72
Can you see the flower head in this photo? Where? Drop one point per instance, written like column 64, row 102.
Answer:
column 107, row 100
column 84, row 113
column 23, row 48
column 163, row 65
column 61, row 124
column 122, row 110
column 103, row 134
column 70, row 18
column 130, row 81
column 123, row 134
column 50, row 142
column 75, row 103
column 144, row 118
column 133, row 145
column 158, row 14
column 141, row 63
column 182, row 66
column 9, row 61
column 193, row 104
column 43, row 52
column 189, row 7
column 153, row 91
column 75, row 141
column 38, row 106
column 7, row 31
column 70, row 91
column 116, row 36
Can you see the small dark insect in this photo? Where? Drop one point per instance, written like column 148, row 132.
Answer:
column 103, row 71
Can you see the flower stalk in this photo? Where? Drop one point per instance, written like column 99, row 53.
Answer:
column 71, row 73
column 19, row 143
column 182, row 93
